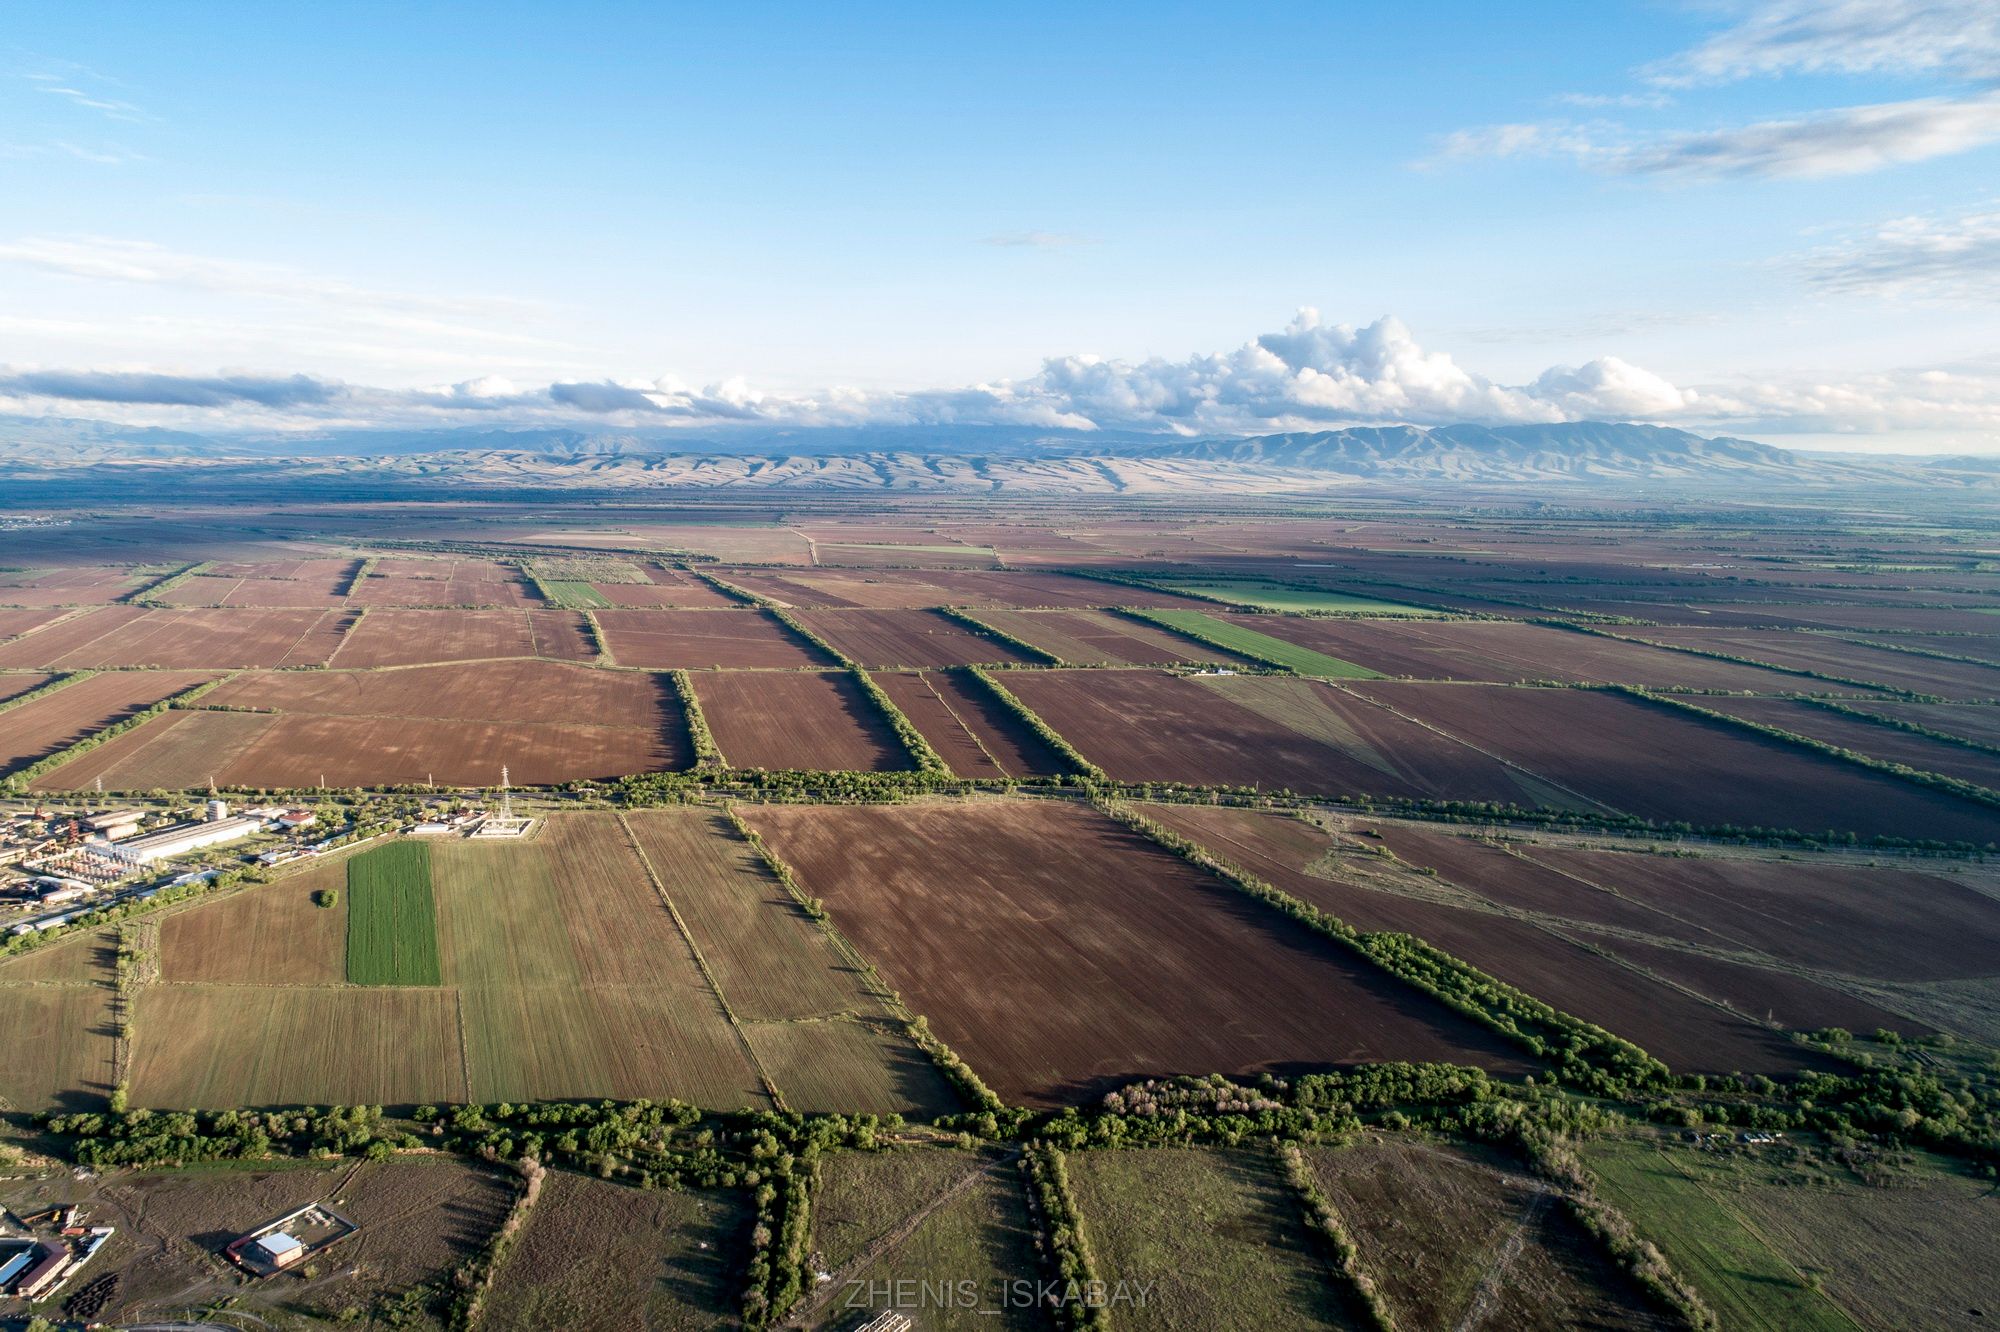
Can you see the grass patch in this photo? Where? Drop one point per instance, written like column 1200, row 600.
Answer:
column 572, row 595
column 1280, row 597
column 392, row 917
column 1260, row 647
column 1746, row 1281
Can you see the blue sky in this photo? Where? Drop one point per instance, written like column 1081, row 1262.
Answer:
column 1775, row 217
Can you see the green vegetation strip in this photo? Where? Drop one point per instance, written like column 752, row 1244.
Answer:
column 18, row 779
column 1033, row 721
column 1258, row 647
column 1583, row 1055
column 1957, row 786
column 1325, row 1224
column 1896, row 723
column 707, row 754
column 985, row 630
column 392, row 917
column 146, row 595
column 927, row 759
column 1056, row 1204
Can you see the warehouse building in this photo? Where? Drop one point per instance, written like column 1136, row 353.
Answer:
column 189, row 837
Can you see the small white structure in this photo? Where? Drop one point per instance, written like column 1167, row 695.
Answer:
column 217, row 810
column 278, row 1249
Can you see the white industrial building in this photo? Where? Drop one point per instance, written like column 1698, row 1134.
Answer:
column 189, row 837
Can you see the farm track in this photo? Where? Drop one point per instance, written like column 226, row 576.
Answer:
column 875, row 1250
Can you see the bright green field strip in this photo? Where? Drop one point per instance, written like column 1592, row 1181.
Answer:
column 1277, row 596
column 392, row 917
column 1744, row 1281
column 1262, row 647
column 572, row 595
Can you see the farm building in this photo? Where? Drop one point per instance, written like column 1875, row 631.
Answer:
column 45, row 1272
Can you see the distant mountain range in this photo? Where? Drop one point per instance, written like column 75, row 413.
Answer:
column 952, row 460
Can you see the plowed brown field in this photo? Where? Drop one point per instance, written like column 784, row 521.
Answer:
column 689, row 639
column 797, row 719
column 880, row 639
column 69, row 714
column 974, row 733
column 1062, row 955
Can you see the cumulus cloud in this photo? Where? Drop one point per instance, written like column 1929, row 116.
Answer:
column 1951, row 259
column 1308, row 375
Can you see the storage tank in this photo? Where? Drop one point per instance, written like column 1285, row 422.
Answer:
column 218, row 810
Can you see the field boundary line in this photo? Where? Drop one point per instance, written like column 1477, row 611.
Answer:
column 701, row 963
column 1530, row 773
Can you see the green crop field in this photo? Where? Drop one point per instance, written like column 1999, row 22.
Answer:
column 1261, row 647
column 391, row 917
column 1280, row 597
column 572, row 595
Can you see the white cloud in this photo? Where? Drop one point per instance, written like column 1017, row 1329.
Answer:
column 1840, row 142
column 1311, row 375
column 1954, row 260
column 1955, row 38
column 1035, row 240
column 1955, row 44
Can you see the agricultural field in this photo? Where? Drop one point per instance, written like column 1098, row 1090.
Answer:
column 129, row 637
column 276, row 934
column 1238, row 637
column 1784, row 1238
column 255, row 1045
column 53, row 722
column 1979, row 724
column 1507, row 652
column 1265, row 731
column 1266, row 595
column 942, row 1217
column 1720, row 774
column 700, row 639
column 594, row 1254
column 968, row 726
column 1958, row 681
column 995, row 919
column 70, row 1063
column 1341, row 876
column 1213, row 1238
column 76, row 586
column 797, row 719
column 1886, row 743
column 1100, row 638
column 1457, row 1238
column 909, row 638
column 417, row 637
column 452, row 724
column 392, row 917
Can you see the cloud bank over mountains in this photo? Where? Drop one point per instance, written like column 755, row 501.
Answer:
column 1309, row 375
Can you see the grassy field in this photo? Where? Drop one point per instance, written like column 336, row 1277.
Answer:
column 1216, row 1233
column 573, row 595
column 847, row 1067
column 392, row 917
column 604, row 1255
column 216, row 1046
column 1748, row 1283
column 1901, row 1241
column 63, row 1048
column 922, row 1216
column 1460, row 1238
column 1277, row 596
column 1260, row 647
